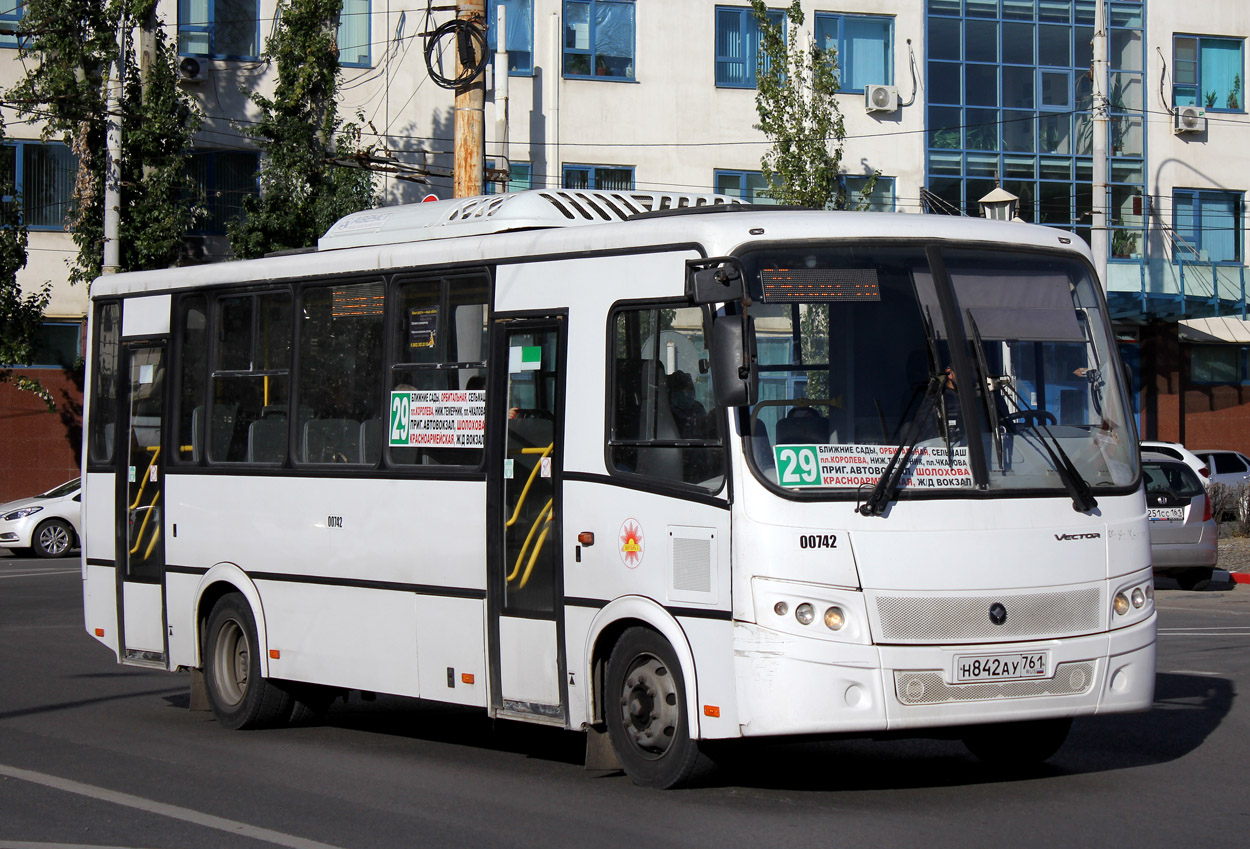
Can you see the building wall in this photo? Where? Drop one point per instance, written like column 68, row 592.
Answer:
column 39, row 448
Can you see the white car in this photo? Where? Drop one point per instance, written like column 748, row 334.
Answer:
column 1179, row 452
column 48, row 523
column 1231, row 468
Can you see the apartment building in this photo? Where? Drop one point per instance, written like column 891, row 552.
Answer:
column 944, row 99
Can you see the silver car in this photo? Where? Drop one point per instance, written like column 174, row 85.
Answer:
column 1184, row 536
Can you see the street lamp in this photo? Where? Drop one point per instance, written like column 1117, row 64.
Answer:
column 1000, row 205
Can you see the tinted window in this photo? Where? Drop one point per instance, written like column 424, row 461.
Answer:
column 1176, row 478
column 1227, row 463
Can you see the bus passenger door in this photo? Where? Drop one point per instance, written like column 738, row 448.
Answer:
column 140, row 526
column 524, row 509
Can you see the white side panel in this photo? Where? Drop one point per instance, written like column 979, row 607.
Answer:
column 180, row 590
column 345, row 636
column 100, row 604
column 142, row 603
column 577, row 622
column 527, row 661
column 99, row 517
column 451, row 643
column 146, row 316
column 711, row 640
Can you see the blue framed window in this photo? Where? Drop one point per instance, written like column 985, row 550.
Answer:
column 612, row 178
column 11, row 14
column 219, row 29
column 599, row 39
column 738, row 45
column 1219, row 364
column 224, row 178
column 42, row 177
column 520, row 177
column 353, row 34
column 520, row 40
column 748, row 185
column 1208, row 225
column 865, row 47
column 880, row 199
column 1209, row 72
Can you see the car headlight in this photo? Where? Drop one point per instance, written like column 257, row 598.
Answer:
column 18, row 514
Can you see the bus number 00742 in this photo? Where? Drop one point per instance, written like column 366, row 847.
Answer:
column 810, row 541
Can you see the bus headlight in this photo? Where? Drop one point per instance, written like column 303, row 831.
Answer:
column 1138, row 597
column 805, row 613
column 781, row 608
column 835, row 619
column 1120, row 605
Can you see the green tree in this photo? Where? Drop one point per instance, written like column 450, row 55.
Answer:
column 798, row 110
column 68, row 56
column 302, row 190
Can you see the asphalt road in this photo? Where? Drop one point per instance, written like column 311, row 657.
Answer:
column 93, row 754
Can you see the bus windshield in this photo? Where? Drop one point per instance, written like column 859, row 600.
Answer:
column 995, row 367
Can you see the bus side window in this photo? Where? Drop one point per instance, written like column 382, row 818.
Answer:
column 104, row 384
column 664, row 422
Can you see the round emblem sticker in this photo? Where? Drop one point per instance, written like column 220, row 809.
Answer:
column 631, row 543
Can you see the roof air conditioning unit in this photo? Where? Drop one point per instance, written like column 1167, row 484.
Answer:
column 1189, row 119
column 880, row 98
column 192, row 70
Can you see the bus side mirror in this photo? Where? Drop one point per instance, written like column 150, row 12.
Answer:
column 714, row 281
column 735, row 377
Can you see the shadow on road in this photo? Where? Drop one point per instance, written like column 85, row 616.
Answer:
column 1187, row 709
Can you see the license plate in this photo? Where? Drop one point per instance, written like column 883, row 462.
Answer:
column 1001, row 667
column 1165, row 514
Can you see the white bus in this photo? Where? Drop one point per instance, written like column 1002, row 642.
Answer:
column 661, row 468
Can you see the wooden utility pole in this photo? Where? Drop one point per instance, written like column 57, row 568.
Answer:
column 470, row 109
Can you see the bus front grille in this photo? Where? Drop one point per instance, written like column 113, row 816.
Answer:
column 947, row 619
column 927, row 687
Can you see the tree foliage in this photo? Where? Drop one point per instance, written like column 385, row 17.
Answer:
column 68, row 55
column 798, row 110
column 300, row 137
column 20, row 314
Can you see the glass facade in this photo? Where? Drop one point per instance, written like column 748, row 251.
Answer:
column 1009, row 99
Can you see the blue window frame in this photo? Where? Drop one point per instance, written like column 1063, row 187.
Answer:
column 224, row 178
column 880, row 199
column 612, row 178
column 11, row 14
column 42, row 177
column 1208, row 225
column 865, row 47
column 219, row 29
column 1209, row 72
column 738, row 45
column 748, row 185
column 599, row 39
column 353, row 34
column 520, row 40
column 1219, row 364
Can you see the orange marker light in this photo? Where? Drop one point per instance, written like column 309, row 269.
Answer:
column 466, row 677
column 275, row 654
column 99, row 632
column 711, row 710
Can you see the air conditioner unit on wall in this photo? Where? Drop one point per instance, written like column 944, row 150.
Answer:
column 192, row 70
column 880, row 98
column 1189, row 119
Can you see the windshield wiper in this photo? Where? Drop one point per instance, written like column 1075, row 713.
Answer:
column 1078, row 488
column 988, row 388
column 887, row 485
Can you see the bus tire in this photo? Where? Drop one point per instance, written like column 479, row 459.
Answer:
column 1017, row 745
column 645, row 711
column 239, row 697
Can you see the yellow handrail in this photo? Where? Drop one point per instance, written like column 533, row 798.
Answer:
column 143, row 526
column 543, row 516
column 156, row 452
column 533, row 472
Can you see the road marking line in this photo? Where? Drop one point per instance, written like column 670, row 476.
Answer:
column 37, row 574
column 27, row 845
column 173, row 811
column 1193, row 672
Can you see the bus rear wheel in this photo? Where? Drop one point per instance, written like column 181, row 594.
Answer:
column 239, row 697
column 645, row 711
column 1017, row 745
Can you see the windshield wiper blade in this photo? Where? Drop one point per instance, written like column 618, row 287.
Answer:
column 988, row 388
column 1078, row 488
column 886, row 487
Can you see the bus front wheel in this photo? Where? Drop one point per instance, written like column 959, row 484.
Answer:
column 645, row 711
column 239, row 697
column 1017, row 745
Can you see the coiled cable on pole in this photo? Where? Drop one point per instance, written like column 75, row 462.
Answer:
column 473, row 57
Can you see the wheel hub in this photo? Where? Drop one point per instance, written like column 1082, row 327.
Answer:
column 649, row 706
